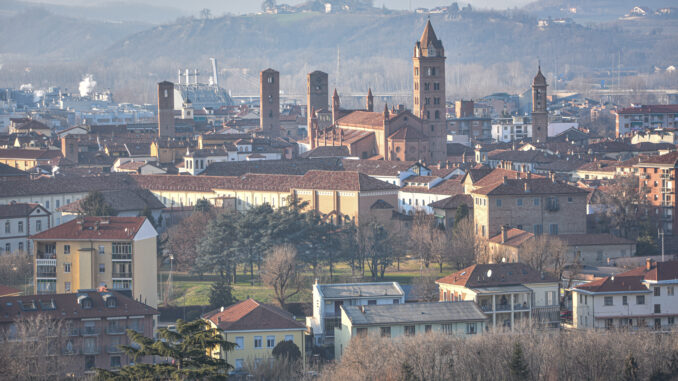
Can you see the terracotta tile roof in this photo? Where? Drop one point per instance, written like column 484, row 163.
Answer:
column 593, row 239
column 563, row 165
column 532, row 156
column 208, row 152
column 32, row 125
column 479, row 172
column 407, row 133
column 514, row 237
column 599, row 166
column 133, row 165
column 534, row 186
column 252, row 315
column 374, row 120
column 457, row 149
column 453, row 202
column 610, row 146
column 449, row 187
column 94, row 228
column 19, row 210
column 8, row 291
column 649, row 109
column 670, row 158
column 288, row 167
column 326, row 151
column 651, row 147
column 428, row 37
column 617, row 283
column 667, row 270
column 502, row 274
column 122, row 200
column 94, row 158
column 28, row 154
column 9, row 171
column 377, row 167
column 344, row 180
column 66, row 306
column 65, row 184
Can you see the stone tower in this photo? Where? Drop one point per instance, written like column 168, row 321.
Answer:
column 317, row 94
column 540, row 115
column 336, row 106
column 166, row 127
column 269, row 102
column 369, row 101
column 429, row 91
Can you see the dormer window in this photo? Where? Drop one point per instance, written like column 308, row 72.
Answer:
column 86, row 304
column 111, row 302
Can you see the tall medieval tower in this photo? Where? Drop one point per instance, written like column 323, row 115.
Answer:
column 166, row 128
column 269, row 102
column 540, row 115
column 429, row 91
column 317, row 94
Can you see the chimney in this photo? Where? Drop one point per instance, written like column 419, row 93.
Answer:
column 648, row 264
column 552, row 175
column 222, row 309
column 527, row 187
column 504, row 234
column 505, row 179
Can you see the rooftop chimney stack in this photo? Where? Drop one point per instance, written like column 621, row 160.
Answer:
column 504, row 234
column 648, row 264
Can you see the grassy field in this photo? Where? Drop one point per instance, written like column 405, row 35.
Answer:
column 189, row 289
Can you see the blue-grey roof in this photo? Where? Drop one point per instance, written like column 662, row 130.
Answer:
column 435, row 312
column 361, row 290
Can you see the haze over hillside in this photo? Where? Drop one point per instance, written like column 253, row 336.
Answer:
column 487, row 50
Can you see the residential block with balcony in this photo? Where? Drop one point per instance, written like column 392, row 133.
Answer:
column 509, row 293
column 644, row 297
column 89, row 252
column 328, row 299
column 92, row 325
column 657, row 179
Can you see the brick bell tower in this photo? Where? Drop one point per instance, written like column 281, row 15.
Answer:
column 269, row 103
column 540, row 115
column 166, row 128
column 429, row 91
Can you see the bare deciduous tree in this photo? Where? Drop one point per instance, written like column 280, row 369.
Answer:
column 280, row 271
column 33, row 349
column 545, row 253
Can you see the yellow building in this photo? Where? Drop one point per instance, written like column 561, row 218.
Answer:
column 90, row 252
column 256, row 329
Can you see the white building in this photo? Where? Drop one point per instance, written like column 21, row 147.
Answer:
column 18, row 221
column 639, row 298
column 509, row 293
column 328, row 299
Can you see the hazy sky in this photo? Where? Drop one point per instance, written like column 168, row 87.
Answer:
column 246, row 6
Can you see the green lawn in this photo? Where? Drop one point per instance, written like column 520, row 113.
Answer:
column 189, row 289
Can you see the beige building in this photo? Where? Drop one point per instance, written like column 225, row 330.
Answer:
column 90, row 252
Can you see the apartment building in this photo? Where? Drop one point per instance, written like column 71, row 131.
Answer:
column 94, row 326
column 255, row 328
column 90, row 252
column 18, row 222
column 536, row 205
column 329, row 298
column 644, row 297
column 646, row 117
column 395, row 320
column 657, row 175
column 509, row 293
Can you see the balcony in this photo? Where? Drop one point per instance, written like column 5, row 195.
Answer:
column 46, row 262
column 113, row 348
column 115, row 330
column 121, row 257
column 46, row 255
column 45, row 274
column 90, row 331
column 90, row 350
column 126, row 275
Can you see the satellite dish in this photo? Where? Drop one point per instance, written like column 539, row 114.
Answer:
column 489, row 273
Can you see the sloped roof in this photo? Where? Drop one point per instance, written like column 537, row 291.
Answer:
column 670, row 159
column 617, row 283
column 539, row 79
column 649, row 109
column 289, row 167
column 514, row 237
column 18, row 210
column 8, row 291
column 667, row 270
column 534, row 186
column 428, row 37
column 502, row 274
column 531, row 156
column 122, row 200
column 407, row 133
column 453, row 202
column 326, row 151
column 593, row 239
column 94, row 228
column 369, row 119
column 66, row 306
column 377, row 167
column 381, row 204
column 252, row 315
column 9, row 171
column 342, row 180
column 431, row 312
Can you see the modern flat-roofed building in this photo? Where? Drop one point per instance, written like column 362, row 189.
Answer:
column 90, row 252
column 646, row 117
column 458, row 318
column 328, row 299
